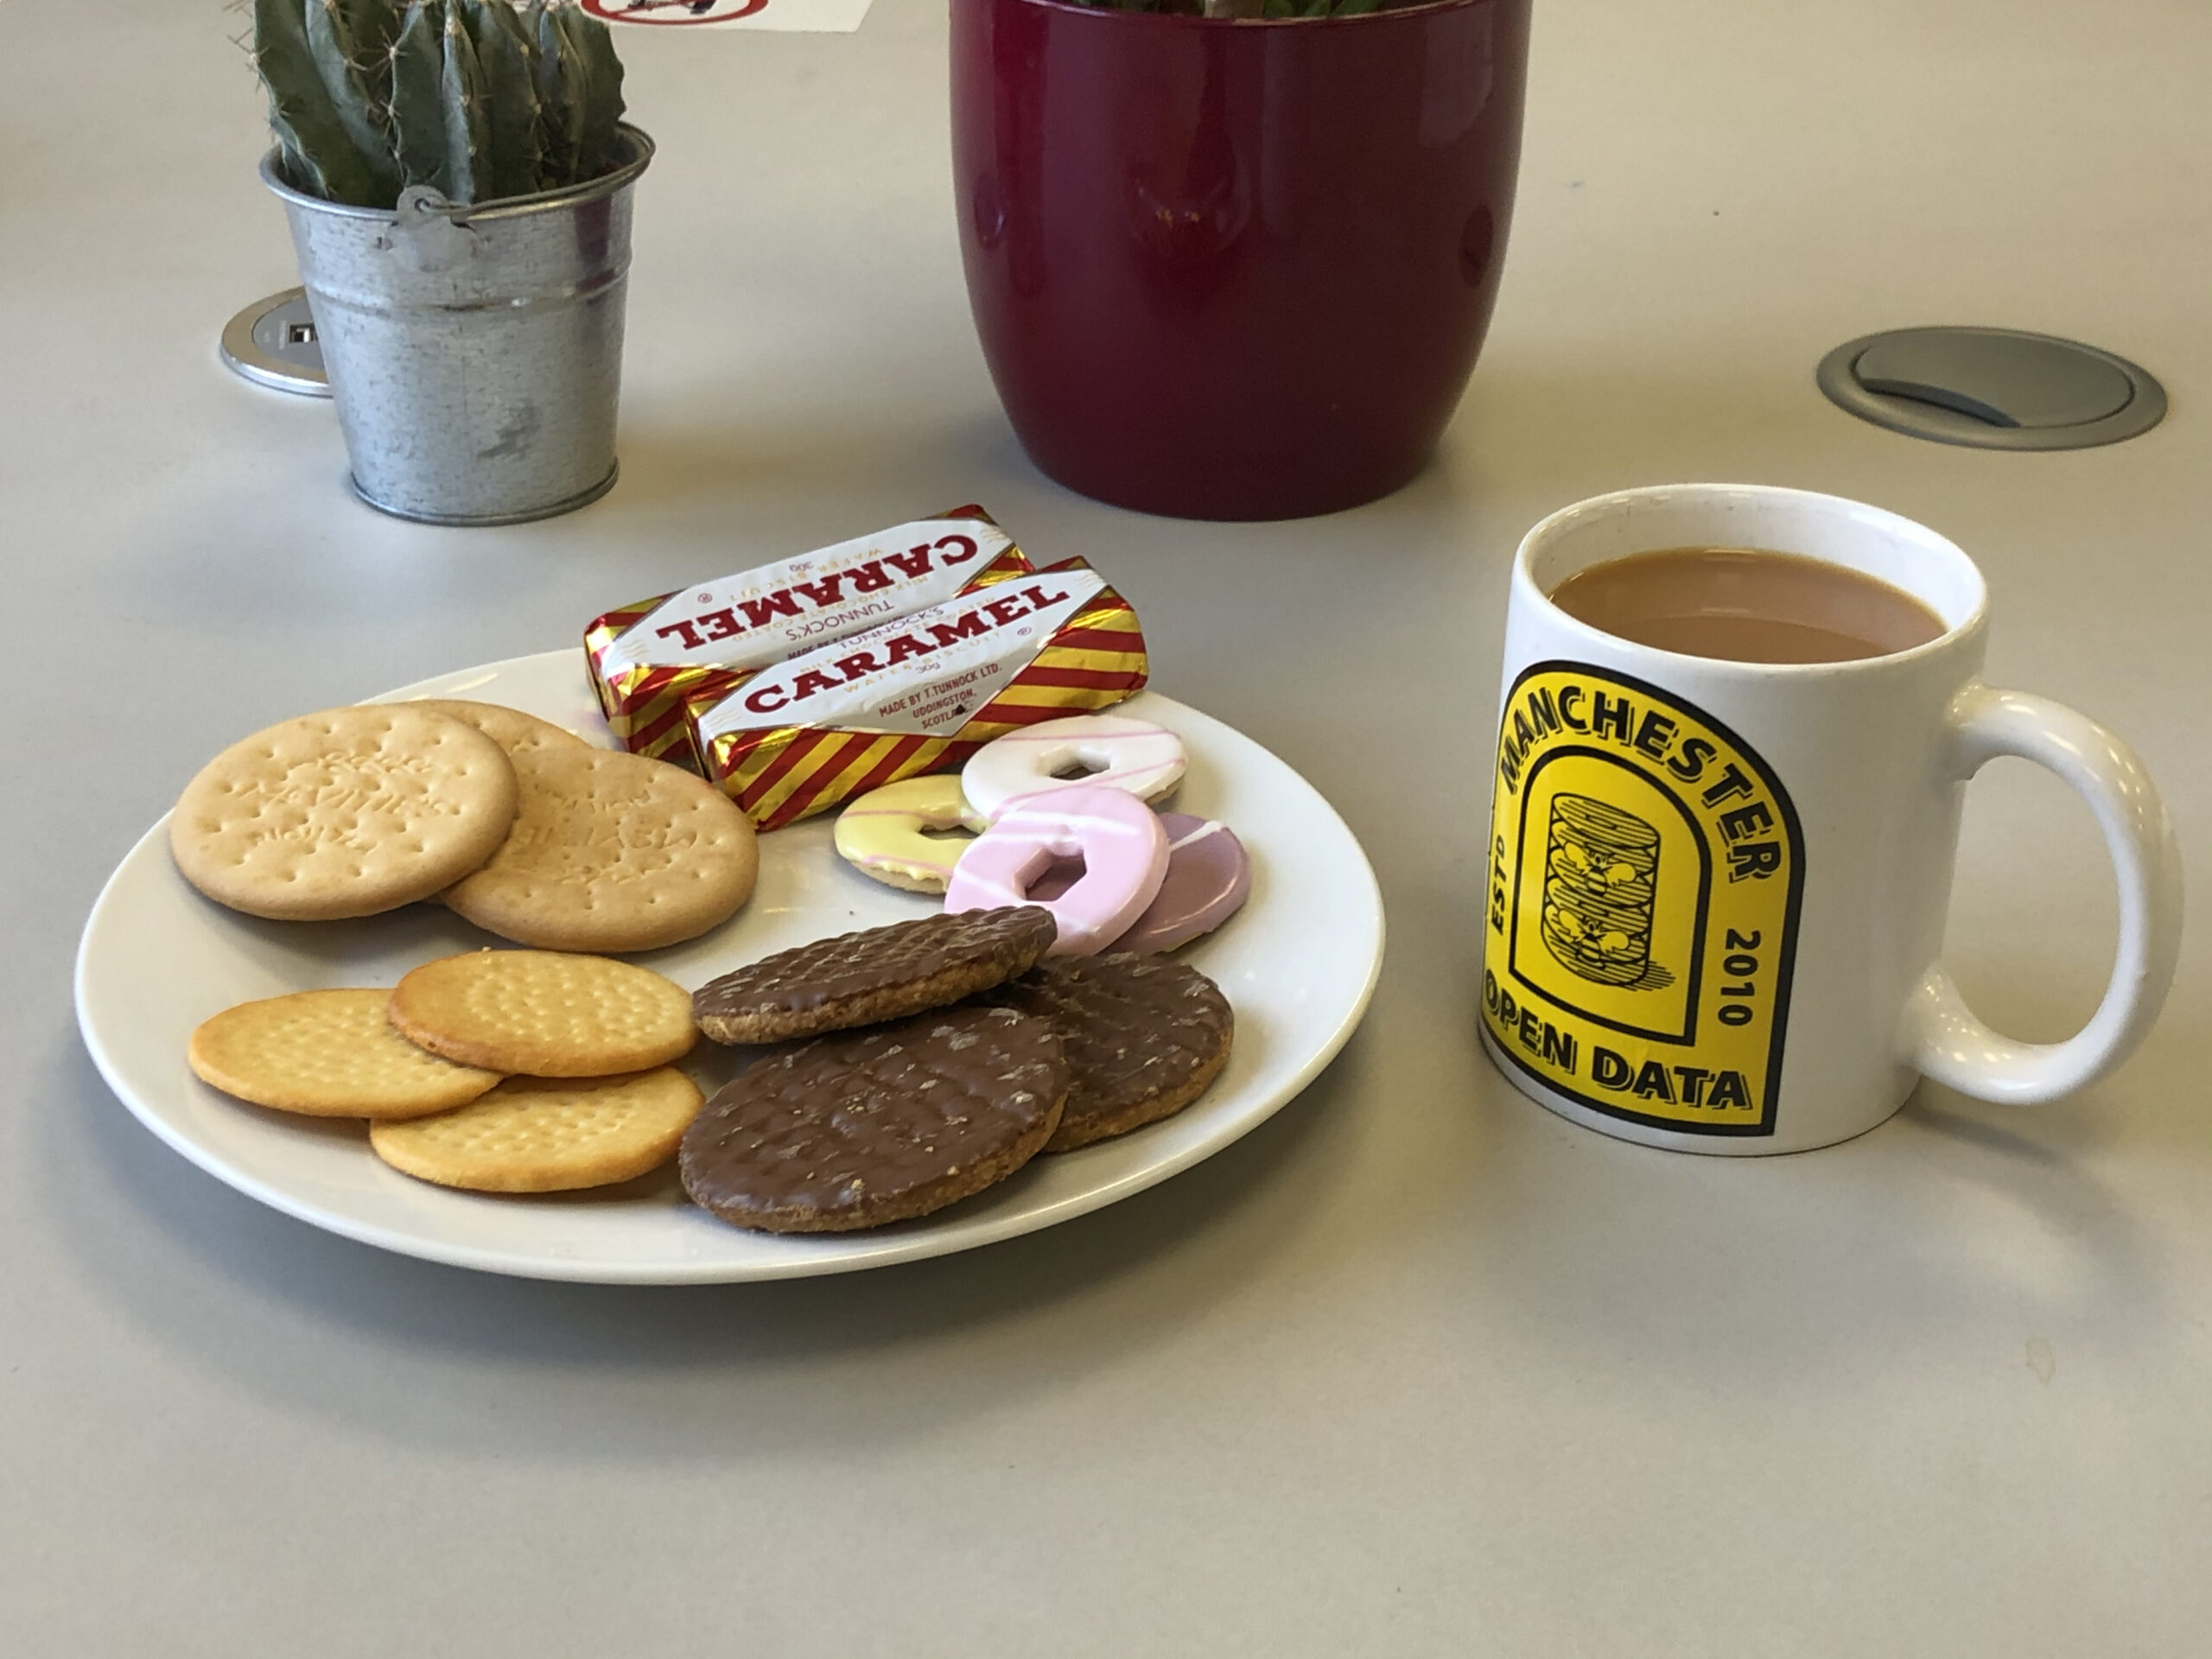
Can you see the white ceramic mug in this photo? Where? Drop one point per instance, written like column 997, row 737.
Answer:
column 1779, row 841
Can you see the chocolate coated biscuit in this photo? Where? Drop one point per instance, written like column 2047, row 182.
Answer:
column 882, row 973
column 864, row 1128
column 1144, row 1037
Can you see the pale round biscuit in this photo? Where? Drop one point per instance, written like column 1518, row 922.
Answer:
column 327, row 1054
column 612, row 851
column 343, row 813
column 511, row 728
column 544, row 1014
column 547, row 1134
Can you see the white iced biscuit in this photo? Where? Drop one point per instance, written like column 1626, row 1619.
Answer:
column 1134, row 755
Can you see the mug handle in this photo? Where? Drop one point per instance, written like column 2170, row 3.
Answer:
column 1942, row 1038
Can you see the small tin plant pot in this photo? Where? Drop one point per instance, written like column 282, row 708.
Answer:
column 1234, row 270
column 474, row 352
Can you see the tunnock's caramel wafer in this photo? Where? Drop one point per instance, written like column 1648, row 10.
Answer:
column 328, row 1053
column 343, row 813
column 547, row 1134
column 611, row 851
column 543, row 1013
column 880, row 973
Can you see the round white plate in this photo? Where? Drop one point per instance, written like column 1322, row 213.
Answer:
column 1298, row 964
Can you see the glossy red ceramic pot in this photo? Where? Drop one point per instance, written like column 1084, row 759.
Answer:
column 1234, row 270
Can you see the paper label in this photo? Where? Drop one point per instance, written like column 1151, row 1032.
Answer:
column 760, row 616
column 922, row 675
column 788, row 16
column 1645, row 873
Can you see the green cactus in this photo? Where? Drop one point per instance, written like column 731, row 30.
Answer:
column 344, row 66
column 414, row 113
column 514, row 129
column 590, row 80
column 559, row 74
column 467, row 126
column 472, row 98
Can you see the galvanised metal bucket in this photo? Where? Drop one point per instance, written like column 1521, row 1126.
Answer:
column 474, row 354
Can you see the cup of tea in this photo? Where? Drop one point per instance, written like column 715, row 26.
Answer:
column 1733, row 742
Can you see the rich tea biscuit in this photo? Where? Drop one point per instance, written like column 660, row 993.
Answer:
column 547, row 1134
column 869, row 1126
column 611, row 851
column 1144, row 1038
column 880, row 973
column 327, row 1054
column 511, row 728
column 343, row 813
column 544, row 1014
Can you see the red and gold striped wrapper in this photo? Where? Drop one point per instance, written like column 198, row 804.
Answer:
column 720, row 635
column 1092, row 658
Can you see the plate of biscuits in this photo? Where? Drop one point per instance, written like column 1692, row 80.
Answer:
column 449, row 973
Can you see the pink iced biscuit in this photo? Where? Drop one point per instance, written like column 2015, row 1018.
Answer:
column 1120, row 840
column 1135, row 755
column 1208, row 876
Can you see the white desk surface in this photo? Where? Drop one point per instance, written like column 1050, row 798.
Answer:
column 1416, row 1369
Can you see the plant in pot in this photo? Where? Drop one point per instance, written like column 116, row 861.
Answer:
column 458, row 180
column 1234, row 259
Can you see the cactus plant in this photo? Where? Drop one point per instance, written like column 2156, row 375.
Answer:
column 475, row 98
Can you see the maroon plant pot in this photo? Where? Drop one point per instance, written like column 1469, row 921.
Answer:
column 1234, row 270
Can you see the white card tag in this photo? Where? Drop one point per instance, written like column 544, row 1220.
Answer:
column 787, row 16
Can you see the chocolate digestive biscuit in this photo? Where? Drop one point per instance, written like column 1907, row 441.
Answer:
column 864, row 1127
column 880, row 973
column 1144, row 1036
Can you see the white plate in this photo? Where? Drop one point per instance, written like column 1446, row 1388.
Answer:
column 1298, row 963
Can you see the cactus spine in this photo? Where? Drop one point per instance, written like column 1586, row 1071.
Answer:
column 471, row 97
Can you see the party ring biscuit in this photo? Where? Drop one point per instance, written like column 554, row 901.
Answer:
column 880, row 973
column 327, row 1054
column 885, row 834
column 1115, row 750
column 1144, row 1038
column 547, row 1134
column 544, row 1014
column 1116, row 840
column 869, row 1126
column 1209, row 876
column 611, row 851
column 343, row 813
column 511, row 728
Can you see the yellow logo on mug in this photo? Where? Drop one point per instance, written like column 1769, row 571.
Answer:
column 1645, row 871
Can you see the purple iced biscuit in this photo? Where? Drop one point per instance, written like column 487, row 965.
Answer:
column 1208, row 876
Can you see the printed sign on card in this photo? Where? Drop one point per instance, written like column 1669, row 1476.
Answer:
column 788, row 16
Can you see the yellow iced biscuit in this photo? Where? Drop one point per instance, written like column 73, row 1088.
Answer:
column 884, row 834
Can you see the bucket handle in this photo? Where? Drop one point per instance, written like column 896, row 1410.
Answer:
column 427, row 234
